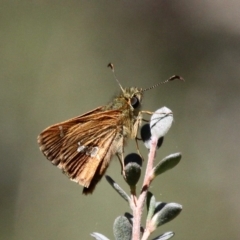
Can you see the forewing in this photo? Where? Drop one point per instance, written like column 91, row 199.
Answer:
column 79, row 146
column 51, row 139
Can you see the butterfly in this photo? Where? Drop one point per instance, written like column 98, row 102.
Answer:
column 82, row 147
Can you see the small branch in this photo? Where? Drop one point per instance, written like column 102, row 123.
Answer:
column 138, row 208
column 151, row 157
column 146, row 235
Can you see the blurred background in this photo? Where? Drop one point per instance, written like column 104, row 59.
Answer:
column 53, row 58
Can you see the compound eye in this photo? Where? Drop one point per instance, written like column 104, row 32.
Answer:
column 135, row 102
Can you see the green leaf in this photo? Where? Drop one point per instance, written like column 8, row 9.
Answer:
column 161, row 122
column 119, row 190
column 166, row 214
column 164, row 236
column 133, row 173
column 122, row 228
column 98, row 236
column 167, row 163
column 151, row 203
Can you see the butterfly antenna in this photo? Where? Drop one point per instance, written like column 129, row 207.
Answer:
column 110, row 65
column 166, row 81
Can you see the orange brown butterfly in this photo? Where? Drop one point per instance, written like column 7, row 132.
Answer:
column 84, row 146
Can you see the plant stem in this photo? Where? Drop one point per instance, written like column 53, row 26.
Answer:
column 139, row 206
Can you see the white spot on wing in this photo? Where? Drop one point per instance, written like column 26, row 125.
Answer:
column 89, row 151
column 94, row 151
column 81, row 148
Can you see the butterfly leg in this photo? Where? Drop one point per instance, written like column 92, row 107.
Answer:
column 121, row 160
column 136, row 126
column 138, row 150
column 147, row 112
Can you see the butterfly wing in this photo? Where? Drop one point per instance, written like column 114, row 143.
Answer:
column 83, row 146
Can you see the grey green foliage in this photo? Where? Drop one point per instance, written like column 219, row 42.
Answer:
column 133, row 173
column 151, row 205
column 118, row 189
column 98, row 236
column 166, row 214
column 165, row 236
column 122, row 228
column 167, row 163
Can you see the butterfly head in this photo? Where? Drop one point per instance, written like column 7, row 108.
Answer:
column 133, row 97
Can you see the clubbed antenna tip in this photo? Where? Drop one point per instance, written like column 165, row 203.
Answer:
column 110, row 65
column 168, row 80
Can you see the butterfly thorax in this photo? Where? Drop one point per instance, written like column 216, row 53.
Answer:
column 128, row 105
